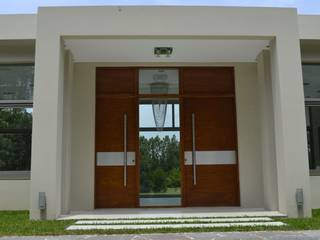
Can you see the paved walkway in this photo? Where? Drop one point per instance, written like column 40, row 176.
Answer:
column 305, row 235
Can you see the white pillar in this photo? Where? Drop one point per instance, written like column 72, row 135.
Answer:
column 67, row 122
column 290, row 126
column 266, row 114
column 47, row 124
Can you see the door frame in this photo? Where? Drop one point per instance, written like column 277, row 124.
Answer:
column 180, row 96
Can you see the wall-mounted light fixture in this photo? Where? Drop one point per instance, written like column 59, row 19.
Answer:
column 163, row 51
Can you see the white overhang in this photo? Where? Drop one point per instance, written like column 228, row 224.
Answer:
column 184, row 50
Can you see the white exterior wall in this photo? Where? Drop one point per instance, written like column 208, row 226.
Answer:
column 83, row 132
column 315, row 191
column 309, row 26
column 18, row 26
column 267, row 132
column 83, row 138
column 249, row 144
column 14, row 194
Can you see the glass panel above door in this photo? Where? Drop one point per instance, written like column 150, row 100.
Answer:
column 158, row 81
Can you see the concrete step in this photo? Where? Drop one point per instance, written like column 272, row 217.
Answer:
column 175, row 220
column 173, row 226
column 156, row 213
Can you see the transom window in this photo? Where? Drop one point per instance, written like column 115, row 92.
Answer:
column 16, row 100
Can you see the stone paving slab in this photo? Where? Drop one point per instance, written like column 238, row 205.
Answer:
column 272, row 235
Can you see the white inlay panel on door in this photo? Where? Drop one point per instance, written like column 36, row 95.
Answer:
column 115, row 158
column 211, row 157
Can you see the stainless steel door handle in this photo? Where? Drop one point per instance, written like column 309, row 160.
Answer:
column 194, row 160
column 125, row 153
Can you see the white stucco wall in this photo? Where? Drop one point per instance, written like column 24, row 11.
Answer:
column 82, row 138
column 250, row 164
column 267, row 132
column 14, row 194
column 83, row 132
column 309, row 26
column 315, row 191
column 18, row 26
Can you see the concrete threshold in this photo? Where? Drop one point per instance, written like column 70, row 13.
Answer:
column 152, row 213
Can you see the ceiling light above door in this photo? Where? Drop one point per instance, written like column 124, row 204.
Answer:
column 163, row 51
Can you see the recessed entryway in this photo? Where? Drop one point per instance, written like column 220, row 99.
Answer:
column 166, row 137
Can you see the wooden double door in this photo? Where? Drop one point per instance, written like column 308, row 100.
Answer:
column 208, row 142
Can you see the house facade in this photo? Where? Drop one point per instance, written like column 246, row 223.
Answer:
column 75, row 80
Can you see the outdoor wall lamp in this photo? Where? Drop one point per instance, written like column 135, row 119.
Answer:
column 163, row 51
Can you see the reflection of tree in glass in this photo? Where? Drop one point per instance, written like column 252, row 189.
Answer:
column 159, row 164
column 15, row 139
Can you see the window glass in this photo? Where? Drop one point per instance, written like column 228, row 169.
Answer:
column 160, row 180
column 147, row 119
column 158, row 81
column 311, row 80
column 176, row 115
column 15, row 139
column 16, row 82
column 313, row 134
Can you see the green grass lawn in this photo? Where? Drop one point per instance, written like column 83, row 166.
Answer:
column 18, row 223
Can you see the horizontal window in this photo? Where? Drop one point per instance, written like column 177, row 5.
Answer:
column 16, row 82
column 15, row 140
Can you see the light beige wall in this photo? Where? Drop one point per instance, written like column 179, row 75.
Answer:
column 14, row 194
column 82, row 138
column 83, row 127
column 18, row 26
column 250, row 165
column 67, row 121
column 309, row 26
column 266, row 129
column 315, row 192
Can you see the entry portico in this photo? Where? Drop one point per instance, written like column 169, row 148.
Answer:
column 68, row 130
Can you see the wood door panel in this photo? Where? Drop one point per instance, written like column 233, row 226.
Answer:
column 207, row 80
column 216, row 185
column 115, row 97
column 209, row 94
column 113, row 81
column 110, row 189
column 215, row 123
column 110, row 124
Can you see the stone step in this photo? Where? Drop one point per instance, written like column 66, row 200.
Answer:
column 176, row 220
column 173, row 226
column 156, row 213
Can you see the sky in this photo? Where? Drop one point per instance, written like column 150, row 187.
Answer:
column 30, row 6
